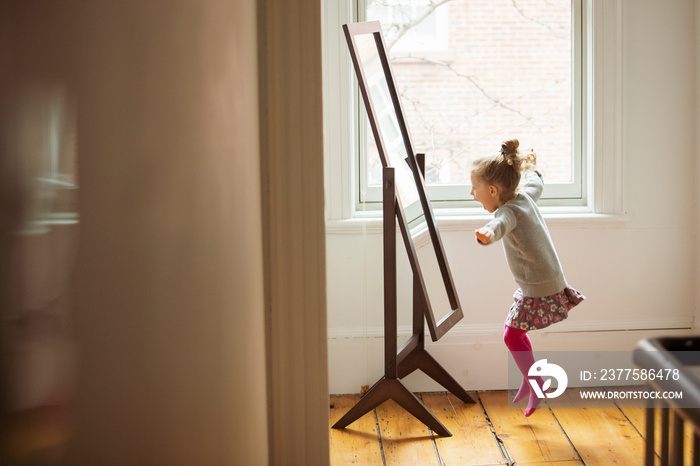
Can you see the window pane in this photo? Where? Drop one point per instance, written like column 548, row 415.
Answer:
column 474, row 72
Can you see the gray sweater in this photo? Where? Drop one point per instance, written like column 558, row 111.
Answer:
column 528, row 246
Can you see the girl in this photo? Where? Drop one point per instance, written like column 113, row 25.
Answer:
column 544, row 297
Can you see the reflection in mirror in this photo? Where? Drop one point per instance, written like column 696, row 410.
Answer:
column 394, row 144
column 430, row 269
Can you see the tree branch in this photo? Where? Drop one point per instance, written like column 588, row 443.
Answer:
column 403, row 28
column 495, row 100
column 535, row 20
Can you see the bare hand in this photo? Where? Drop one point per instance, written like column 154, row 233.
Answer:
column 483, row 236
column 531, row 160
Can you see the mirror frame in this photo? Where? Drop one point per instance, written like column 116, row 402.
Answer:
column 437, row 328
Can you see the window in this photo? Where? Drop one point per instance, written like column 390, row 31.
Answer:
column 411, row 25
column 472, row 73
column 573, row 120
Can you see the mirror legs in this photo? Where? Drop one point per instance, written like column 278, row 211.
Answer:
column 393, row 389
column 421, row 359
column 413, row 356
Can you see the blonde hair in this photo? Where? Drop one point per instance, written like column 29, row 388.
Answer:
column 502, row 168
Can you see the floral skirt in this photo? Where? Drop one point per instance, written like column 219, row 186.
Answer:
column 529, row 313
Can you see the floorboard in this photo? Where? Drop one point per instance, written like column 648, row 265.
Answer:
column 601, row 435
column 359, row 442
column 472, row 442
column 405, row 440
column 528, row 440
column 491, row 432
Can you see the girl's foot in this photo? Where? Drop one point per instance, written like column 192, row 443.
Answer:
column 532, row 405
column 534, row 401
column 523, row 392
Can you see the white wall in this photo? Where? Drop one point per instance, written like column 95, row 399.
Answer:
column 639, row 273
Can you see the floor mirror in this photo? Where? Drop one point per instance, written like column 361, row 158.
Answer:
column 406, row 203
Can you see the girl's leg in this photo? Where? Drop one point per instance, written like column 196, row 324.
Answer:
column 520, row 346
column 517, row 340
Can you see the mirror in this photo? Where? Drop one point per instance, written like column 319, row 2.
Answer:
column 393, row 140
column 392, row 145
column 433, row 279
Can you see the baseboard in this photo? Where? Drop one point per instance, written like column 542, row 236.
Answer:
column 475, row 354
column 577, row 326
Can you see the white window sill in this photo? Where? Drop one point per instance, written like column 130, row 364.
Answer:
column 469, row 219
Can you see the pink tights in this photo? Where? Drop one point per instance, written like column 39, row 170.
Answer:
column 520, row 347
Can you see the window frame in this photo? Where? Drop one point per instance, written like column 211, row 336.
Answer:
column 600, row 46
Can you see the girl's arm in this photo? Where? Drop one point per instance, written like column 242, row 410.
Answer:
column 483, row 236
column 533, row 185
column 503, row 222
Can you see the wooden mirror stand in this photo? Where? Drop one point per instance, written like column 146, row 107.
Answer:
column 413, row 356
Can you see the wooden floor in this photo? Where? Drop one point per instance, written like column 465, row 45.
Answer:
column 490, row 432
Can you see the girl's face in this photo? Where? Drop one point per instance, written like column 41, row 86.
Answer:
column 484, row 193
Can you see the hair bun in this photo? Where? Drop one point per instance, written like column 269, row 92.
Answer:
column 510, row 147
column 511, row 154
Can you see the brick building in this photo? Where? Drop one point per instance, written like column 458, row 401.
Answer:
column 476, row 72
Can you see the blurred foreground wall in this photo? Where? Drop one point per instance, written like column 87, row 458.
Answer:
column 132, row 277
